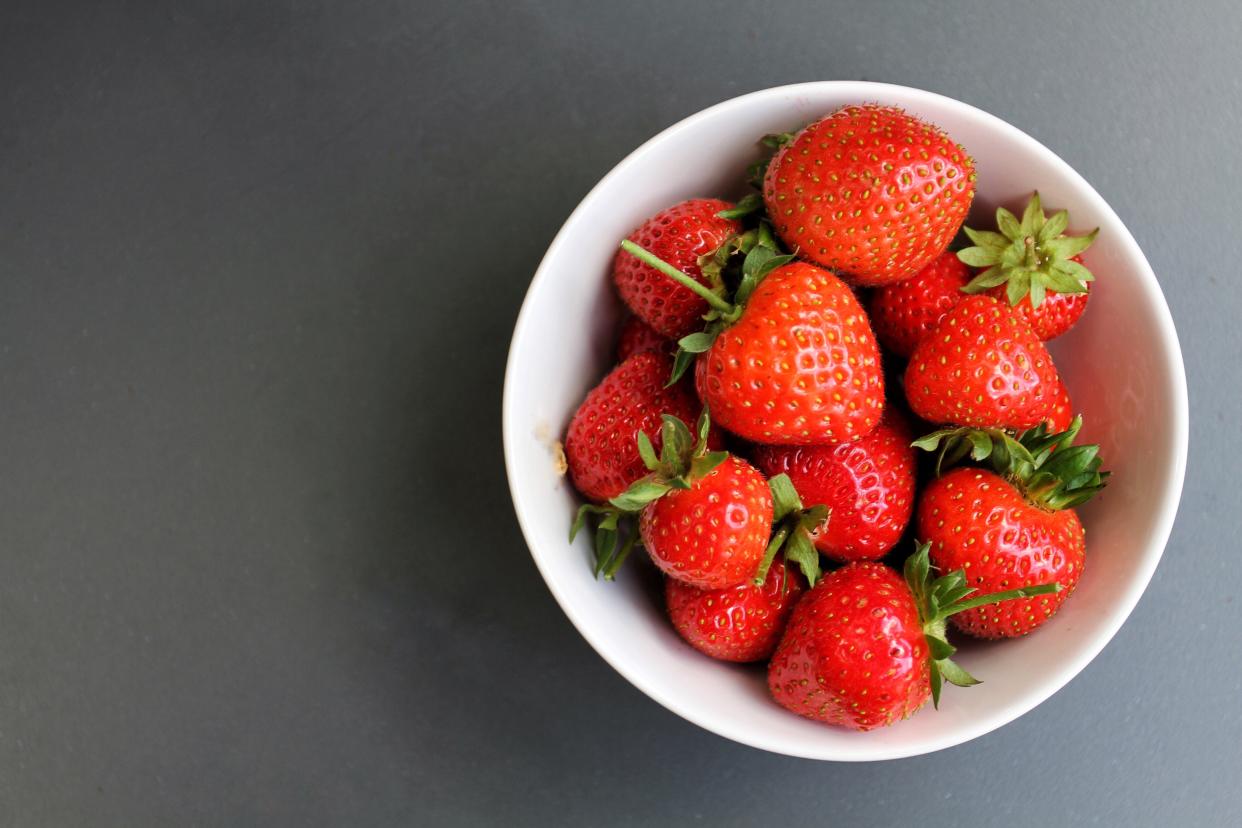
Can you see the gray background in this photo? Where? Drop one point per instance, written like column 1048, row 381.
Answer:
column 258, row 269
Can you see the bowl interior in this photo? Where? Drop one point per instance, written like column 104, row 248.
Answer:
column 1121, row 363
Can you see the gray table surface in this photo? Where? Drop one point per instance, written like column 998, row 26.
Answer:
column 259, row 263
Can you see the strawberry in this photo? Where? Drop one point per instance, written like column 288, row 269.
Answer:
column 1033, row 265
column 867, row 485
column 864, row 648
column 800, row 366
column 903, row 313
column 679, row 236
column 791, row 360
column 740, row 623
column 1055, row 315
column 1062, row 415
column 705, row 517
column 869, row 191
column 599, row 447
column 1012, row 525
column 637, row 336
column 982, row 366
column 713, row 534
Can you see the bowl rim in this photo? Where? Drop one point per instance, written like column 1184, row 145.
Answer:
column 1066, row 670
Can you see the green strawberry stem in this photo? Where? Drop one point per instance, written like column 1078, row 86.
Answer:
column 613, row 566
column 997, row 597
column 1030, row 260
column 762, row 256
column 769, row 555
column 676, row 275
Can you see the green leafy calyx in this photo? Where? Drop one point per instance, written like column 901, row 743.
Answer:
column 682, row 460
column 1030, row 257
column 1049, row 470
column 795, row 527
column 772, row 144
column 940, row 597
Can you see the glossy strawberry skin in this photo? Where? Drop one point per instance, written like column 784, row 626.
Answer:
column 679, row 236
column 800, row 367
column 713, row 534
column 601, row 446
column 637, row 336
column 1062, row 411
column 871, row 192
column 854, row 653
column 903, row 313
column 979, row 523
column 740, row 623
column 867, row 484
column 982, row 366
column 1056, row 314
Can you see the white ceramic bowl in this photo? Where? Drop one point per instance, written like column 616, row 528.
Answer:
column 1121, row 363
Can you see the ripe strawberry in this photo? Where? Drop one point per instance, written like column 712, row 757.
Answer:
column 713, row 534
column 1056, row 315
column 637, row 336
column 1013, row 525
column 800, row 366
column 599, row 447
column 869, row 191
column 1062, row 416
column 704, row 516
column 982, row 366
column 679, row 236
column 708, row 485
column 867, row 485
column 864, row 648
column 1034, row 265
column 740, row 623
column 903, row 313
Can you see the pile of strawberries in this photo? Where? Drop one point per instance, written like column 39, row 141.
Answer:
column 746, row 434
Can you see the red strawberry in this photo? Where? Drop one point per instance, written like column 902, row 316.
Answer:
column 869, row 191
column 1056, row 315
column 1013, row 530
column 637, row 336
column 1062, row 415
column 705, row 517
column 982, row 366
column 903, row 313
column 741, row 623
column 854, row 652
column 867, row 485
column 600, row 448
column 800, row 366
column 679, row 236
column 857, row 651
column 713, row 534
column 1033, row 265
